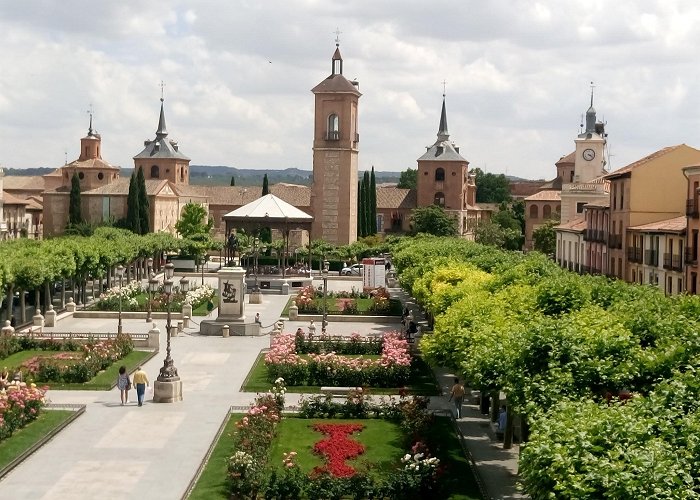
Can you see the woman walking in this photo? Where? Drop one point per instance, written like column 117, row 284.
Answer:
column 124, row 384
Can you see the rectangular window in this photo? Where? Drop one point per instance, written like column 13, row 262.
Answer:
column 680, row 285
column 380, row 223
column 579, row 207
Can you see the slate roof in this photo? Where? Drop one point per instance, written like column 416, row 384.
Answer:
column 442, row 151
column 674, row 225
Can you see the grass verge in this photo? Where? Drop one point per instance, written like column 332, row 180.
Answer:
column 26, row 437
column 422, row 381
column 202, row 310
column 363, row 306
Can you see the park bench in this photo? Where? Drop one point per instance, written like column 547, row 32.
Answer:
column 338, row 392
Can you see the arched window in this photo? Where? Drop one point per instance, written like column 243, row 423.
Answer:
column 546, row 212
column 534, row 213
column 333, row 127
column 439, row 200
column 155, row 172
column 440, row 174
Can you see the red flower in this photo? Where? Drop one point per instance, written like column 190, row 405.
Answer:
column 337, row 448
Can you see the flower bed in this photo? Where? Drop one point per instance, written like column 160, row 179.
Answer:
column 135, row 298
column 71, row 361
column 310, row 301
column 392, row 369
column 19, row 405
column 252, row 476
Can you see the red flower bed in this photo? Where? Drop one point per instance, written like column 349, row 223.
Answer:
column 337, row 448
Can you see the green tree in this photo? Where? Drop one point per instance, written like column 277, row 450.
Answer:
column 433, row 220
column 545, row 237
column 144, row 226
column 491, row 188
column 408, row 179
column 133, row 215
column 74, row 215
column 367, row 210
column 193, row 221
column 233, row 181
column 508, row 220
column 372, row 204
column 265, row 232
column 490, row 233
column 361, row 231
column 265, row 187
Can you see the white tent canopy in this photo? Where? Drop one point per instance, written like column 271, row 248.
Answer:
column 268, row 209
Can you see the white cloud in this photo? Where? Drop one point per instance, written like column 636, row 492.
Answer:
column 238, row 76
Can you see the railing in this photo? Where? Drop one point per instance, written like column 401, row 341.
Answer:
column 691, row 255
column 588, row 234
column 691, row 208
column 634, row 254
column 677, row 263
column 615, row 241
column 332, row 135
column 76, row 335
column 668, row 260
column 651, row 258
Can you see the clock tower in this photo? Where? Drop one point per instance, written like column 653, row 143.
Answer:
column 589, row 162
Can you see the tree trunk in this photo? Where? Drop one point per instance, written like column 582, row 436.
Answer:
column 508, row 435
column 495, row 400
column 23, row 307
column 63, row 293
column 10, row 294
column 37, row 300
column 48, row 298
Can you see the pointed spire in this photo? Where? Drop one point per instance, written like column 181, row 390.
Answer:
column 90, row 133
column 162, row 131
column 590, row 115
column 337, row 61
column 443, row 134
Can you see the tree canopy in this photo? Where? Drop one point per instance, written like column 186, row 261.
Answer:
column 74, row 213
column 491, row 188
column 408, row 179
column 433, row 220
column 193, row 221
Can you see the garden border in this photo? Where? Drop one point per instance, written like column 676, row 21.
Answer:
column 78, row 410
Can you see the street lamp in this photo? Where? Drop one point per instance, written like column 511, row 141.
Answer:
column 168, row 372
column 152, row 288
column 324, row 273
column 149, row 265
column 256, row 241
column 120, row 275
column 184, row 285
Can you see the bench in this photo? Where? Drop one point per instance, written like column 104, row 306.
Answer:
column 339, row 391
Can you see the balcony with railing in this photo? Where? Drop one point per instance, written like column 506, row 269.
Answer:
column 332, row 135
column 634, row 254
column 651, row 257
column 615, row 241
column 691, row 255
column 673, row 261
column 691, row 208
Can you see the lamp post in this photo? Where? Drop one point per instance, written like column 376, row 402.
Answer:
column 149, row 266
column 184, row 285
column 256, row 241
column 168, row 372
column 324, row 273
column 152, row 288
column 120, row 275
column 203, row 261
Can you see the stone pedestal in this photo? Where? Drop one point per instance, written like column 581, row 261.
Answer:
column 231, row 306
column 186, row 321
column 187, row 310
column 8, row 329
column 255, row 297
column 154, row 337
column 70, row 306
column 285, row 288
column 50, row 319
column 38, row 319
column 167, row 392
column 225, row 331
column 293, row 312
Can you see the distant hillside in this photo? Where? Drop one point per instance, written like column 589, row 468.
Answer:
column 221, row 176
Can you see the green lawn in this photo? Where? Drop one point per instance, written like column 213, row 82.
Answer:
column 103, row 381
column 384, row 447
column 363, row 306
column 202, row 309
column 24, row 438
column 422, row 381
column 212, row 483
column 383, row 440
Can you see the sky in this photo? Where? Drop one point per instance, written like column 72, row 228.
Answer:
column 238, row 75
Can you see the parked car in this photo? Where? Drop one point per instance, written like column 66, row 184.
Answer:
column 354, row 270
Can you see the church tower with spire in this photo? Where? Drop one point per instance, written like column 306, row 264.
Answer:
column 444, row 179
column 161, row 157
column 335, row 150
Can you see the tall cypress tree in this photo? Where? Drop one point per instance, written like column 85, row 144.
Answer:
column 361, row 210
column 133, row 218
column 266, row 188
column 367, row 209
column 144, row 226
column 233, row 181
column 373, row 202
column 74, row 216
column 266, row 232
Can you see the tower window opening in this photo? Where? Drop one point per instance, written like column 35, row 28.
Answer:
column 333, row 128
column 439, row 200
column 440, row 174
column 155, row 172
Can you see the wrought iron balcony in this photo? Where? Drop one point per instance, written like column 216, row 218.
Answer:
column 691, row 208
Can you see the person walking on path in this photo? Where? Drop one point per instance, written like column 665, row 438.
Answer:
column 457, row 393
column 140, row 381
column 123, row 384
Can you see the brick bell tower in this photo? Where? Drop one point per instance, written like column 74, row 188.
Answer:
column 335, row 149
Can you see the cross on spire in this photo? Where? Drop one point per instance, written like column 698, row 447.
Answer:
column 162, row 88
column 89, row 112
column 592, row 87
column 444, row 86
column 337, row 36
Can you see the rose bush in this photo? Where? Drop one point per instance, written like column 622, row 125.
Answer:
column 18, row 407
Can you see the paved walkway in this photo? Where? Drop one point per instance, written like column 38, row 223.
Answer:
column 152, row 452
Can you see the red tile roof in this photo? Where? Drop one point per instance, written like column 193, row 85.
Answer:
column 674, row 225
column 548, row 195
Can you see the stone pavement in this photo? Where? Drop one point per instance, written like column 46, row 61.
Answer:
column 152, row 452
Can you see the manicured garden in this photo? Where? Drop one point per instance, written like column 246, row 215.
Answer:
column 133, row 297
column 69, row 364
column 352, row 449
column 384, row 364
column 309, row 300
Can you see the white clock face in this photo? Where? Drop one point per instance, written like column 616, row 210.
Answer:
column 588, row 154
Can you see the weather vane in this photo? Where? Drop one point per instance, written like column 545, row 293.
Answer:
column 444, row 87
column 162, row 88
column 337, row 36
